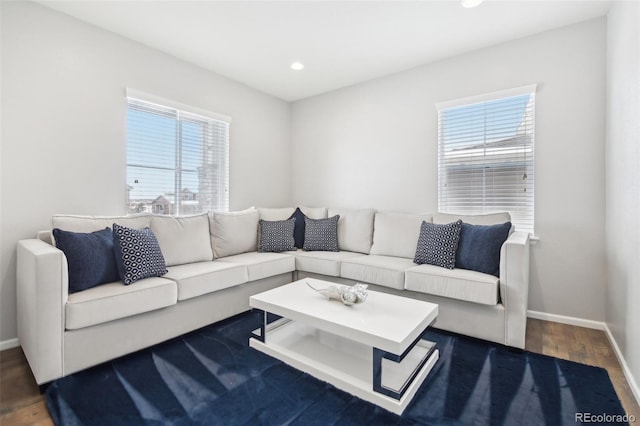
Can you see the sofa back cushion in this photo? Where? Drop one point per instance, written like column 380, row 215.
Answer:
column 284, row 213
column 234, row 232
column 314, row 212
column 183, row 239
column 473, row 219
column 75, row 223
column 396, row 234
column 355, row 229
column 281, row 213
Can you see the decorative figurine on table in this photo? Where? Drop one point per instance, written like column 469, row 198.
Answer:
column 349, row 295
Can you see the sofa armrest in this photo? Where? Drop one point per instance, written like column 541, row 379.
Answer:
column 42, row 291
column 514, row 287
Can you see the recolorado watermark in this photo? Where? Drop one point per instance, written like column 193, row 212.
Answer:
column 604, row 418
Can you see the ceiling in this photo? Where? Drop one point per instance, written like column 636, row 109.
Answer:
column 341, row 43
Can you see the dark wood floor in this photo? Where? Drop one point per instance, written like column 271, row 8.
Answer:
column 22, row 404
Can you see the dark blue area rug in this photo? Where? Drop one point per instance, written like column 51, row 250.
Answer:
column 212, row 377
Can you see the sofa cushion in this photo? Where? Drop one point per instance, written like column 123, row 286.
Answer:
column 474, row 219
column 437, row 244
column 90, row 257
column 280, row 213
column 113, row 301
column 479, row 247
column 321, row 234
column 234, row 232
column 263, row 265
column 386, row 271
column 77, row 223
column 314, row 212
column 137, row 254
column 277, row 235
column 183, row 239
column 199, row 278
column 396, row 234
column 322, row 262
column 355, row 229
column 458, row 284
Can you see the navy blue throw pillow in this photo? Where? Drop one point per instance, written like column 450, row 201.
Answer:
column 479, row 247
column 89, row 257
column 137, row 253
column 298, row 230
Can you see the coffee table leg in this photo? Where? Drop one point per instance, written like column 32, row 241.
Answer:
column 266, row 326
column 379, row 355
column 263, row 328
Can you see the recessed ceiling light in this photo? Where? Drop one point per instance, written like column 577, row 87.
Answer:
column 297, row 66
column 470, row 3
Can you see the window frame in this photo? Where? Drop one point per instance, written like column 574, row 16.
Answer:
column 528, row 164
column 182, row 113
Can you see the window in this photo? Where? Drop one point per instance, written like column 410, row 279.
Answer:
column 486, row 155
column 177, row 157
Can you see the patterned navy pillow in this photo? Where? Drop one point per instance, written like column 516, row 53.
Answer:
column 89, row 257
column 137, row 253
column 321, row 234
column 479, row 247
column 277, row 235
column 437, row 244
column 298, row 231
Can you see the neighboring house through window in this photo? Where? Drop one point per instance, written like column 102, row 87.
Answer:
column 486, row 155
column 177, row 157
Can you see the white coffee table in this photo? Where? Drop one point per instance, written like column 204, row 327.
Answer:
column 372, row 350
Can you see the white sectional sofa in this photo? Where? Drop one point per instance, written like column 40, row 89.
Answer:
column 213, row 267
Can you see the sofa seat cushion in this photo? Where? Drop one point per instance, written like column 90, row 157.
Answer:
column 322, row 262
column 195, row 279
column 263, row 265
column 115, row 300
column 461, row 284
column 386, row 271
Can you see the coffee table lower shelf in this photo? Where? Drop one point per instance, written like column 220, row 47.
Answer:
column 363, row 371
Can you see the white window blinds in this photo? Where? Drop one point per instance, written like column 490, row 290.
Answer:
column 177, row 160
column 486, row 155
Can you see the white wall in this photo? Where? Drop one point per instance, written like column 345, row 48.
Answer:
column 623, row 181
column 63, row 126
column 374, row 145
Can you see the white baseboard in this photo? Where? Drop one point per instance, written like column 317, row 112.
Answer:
column 625, row 368
column 580, row 322
column 9, row 344
column 598, row 325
